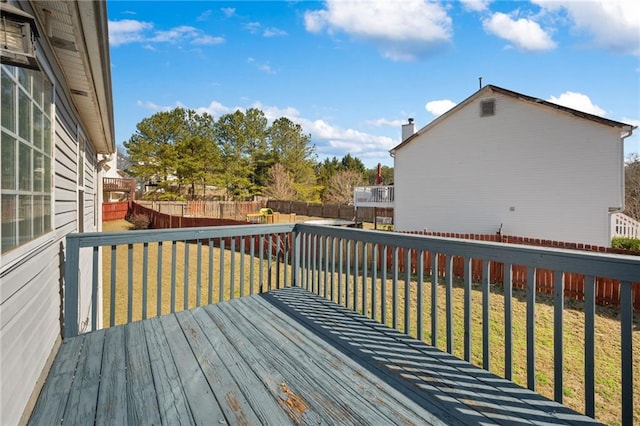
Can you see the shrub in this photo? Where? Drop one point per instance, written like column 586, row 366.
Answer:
column 626, row 243
column 140, row 221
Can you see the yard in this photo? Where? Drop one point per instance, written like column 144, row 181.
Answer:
column 607, row 332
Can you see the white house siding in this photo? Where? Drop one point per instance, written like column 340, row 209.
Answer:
column 533, row 170
column 30, row 286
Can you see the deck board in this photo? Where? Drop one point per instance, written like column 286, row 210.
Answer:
column 55, row 393
column 202, row 401
column 112, row 395
column 171, row 397
column 284, row 357
column 265, row 406
column 344, row 380
column 81, row 407
column 142, row 402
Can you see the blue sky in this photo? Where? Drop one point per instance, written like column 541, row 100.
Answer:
column 352, row 71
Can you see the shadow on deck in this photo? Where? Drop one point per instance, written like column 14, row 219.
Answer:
column 284, row 357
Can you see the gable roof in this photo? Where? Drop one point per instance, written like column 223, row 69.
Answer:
column 519, row 96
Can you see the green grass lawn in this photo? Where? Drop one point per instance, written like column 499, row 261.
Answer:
column 607, row 325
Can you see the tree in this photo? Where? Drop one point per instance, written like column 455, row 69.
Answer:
column 233, row 144
column 292, row 149
column 152, row 148
column 352, row 163
column 198, row 156
column 340, row 187
column 632, row 186
column 260, row 159
column 279, row 184
column 386, row 173
column 326, row 169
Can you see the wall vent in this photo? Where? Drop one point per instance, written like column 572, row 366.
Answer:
column 488, row 108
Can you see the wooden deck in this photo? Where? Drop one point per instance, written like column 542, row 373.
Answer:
column 285, row 357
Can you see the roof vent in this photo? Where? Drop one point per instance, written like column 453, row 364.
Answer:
column 488, row 108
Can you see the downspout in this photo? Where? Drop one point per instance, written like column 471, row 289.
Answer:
column 620, row 209
column 629, row 130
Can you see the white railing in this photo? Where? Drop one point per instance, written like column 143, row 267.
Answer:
column 624, row 226
column 373, row 196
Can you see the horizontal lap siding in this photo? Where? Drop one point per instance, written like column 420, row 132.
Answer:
column 559, row 173
column 30, row 302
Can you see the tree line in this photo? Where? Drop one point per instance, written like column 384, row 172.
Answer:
column 182, row 153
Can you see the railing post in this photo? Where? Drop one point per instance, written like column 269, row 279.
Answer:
column 295, row 270
column 70, row 293
column 626, row 350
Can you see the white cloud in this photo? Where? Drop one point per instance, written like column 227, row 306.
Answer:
column 127, row 31
column 256, row 27
column 384, row 122
column 611, row 24
column 265, row 67
column 475, row 5
column 524, row 34
column 273, row 32
column 439, row 107
column 253, row 27
column 632, row 121
column 131, row 31
column 400, row 33
column 207, row 40
column 228, row 11
column 215, row 109
column 204, row 15
column 332, row 140
column 579, row 102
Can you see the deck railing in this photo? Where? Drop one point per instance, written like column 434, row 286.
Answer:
column 624, row 226
column 373, row 196
column 351, row 267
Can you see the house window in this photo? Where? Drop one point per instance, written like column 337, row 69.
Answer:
column 487, row 108
column 25, row 160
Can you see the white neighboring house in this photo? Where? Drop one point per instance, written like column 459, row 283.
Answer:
column 57, row 119
column 505, row 162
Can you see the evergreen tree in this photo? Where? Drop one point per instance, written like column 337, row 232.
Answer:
column 291, row 148
column 233, row 144
column 152, row 148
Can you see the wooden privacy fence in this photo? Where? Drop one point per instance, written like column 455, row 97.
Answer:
column 160, row 220
column 223, row 209
column 115, row 211
column 237, row 210
column 607, row 290
column 329, row 211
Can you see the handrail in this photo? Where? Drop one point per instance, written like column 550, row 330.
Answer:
column 361, row 270
column 358, row 254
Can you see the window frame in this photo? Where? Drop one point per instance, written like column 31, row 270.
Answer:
column 45, row 149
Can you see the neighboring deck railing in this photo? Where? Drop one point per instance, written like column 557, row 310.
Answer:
column 624, row 226
column 119, row 184
column 373, row 196
column 351, row 267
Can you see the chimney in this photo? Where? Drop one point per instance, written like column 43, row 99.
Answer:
column 408, row 129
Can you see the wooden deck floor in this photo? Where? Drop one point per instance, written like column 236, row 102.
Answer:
column 286, row 357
